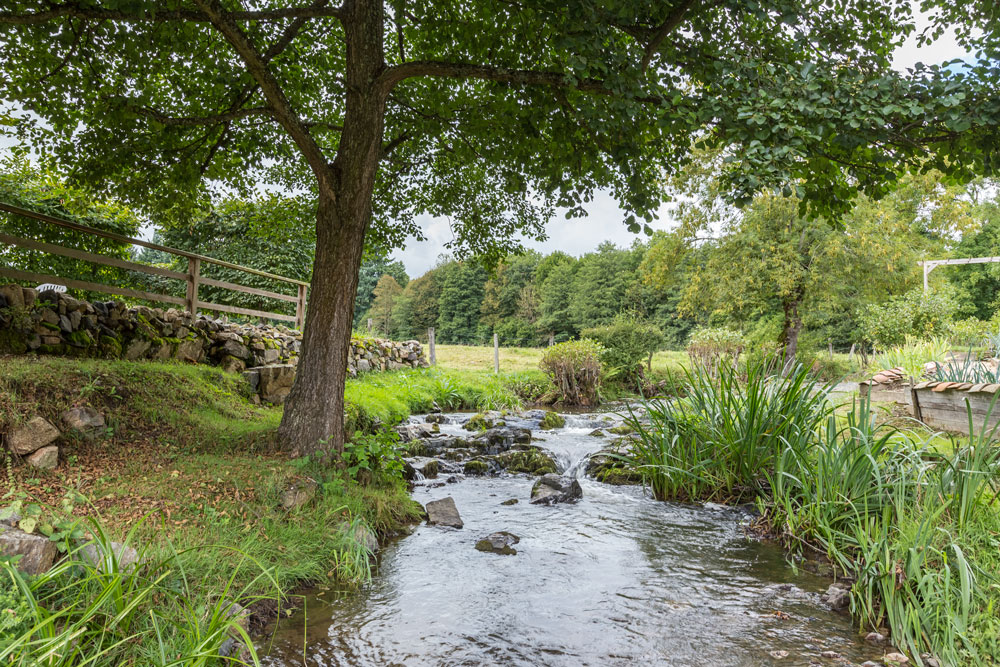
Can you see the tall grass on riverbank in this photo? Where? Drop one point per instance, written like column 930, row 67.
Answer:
column 100, row 611
column 914, row 529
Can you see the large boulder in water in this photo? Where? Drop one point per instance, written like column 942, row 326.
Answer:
column 443, row 513
column 552, row 489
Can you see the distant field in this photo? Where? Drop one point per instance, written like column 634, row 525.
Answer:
column 513, row 359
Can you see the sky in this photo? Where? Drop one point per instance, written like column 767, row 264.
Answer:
column 604, row 221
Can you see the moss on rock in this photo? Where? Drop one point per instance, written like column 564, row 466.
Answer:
column 552, row 420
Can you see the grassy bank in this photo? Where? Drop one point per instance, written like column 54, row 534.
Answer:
column 911, row 524
column 186, row 473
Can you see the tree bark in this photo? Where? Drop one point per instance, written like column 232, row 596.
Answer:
column 313, row 419
column 790, row 334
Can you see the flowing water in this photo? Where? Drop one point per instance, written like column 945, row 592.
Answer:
column 616, row 579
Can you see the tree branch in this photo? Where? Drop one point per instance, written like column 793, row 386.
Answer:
column 281, row 108
column 191, row 121
column 76, row 10
column 668, row 26
column 451, row 70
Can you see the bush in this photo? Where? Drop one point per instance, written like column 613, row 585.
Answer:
column 627, row 341
column 710, row 347
column 912, row 314
column 575, row 369
column 971, row 332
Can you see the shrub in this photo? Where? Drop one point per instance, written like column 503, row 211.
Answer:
column 627, row 341
column 912, row 314
column 711, row 347
column 575, row 369
column 970, row 332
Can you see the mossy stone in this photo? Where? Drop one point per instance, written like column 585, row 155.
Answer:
column 552, row 420
column 621, row 430
column 476, row 467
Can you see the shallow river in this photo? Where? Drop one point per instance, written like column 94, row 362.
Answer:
column 616, row 579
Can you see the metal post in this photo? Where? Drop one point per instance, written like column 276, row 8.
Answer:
column 496, row 353
column 193, row 278
column 300, row 308
column 430, row 342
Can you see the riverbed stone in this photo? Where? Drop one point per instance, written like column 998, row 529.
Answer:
column 86, row 421
column 895, row 659
column 46, row 458
column 838, row 596
column 876, row 638
column 511, row 501
column 32, row 436
column 37, row 552
column 501, row 543
column 443, row 513
column 552, row 489
column 298, row 494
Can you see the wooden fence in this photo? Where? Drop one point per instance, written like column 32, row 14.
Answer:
column 192, row 277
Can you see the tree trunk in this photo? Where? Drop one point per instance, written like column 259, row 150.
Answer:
column 314, row 412
column 790, row 334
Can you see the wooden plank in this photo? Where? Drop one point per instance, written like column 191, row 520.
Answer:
column 16, row 210
column 92, row 287
column 246, row 311
column 249, row 290
column 193, row 279
column 73, row 253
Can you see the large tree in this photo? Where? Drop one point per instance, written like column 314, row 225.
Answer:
column 490, row 112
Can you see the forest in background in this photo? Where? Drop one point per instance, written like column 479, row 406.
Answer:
column 766, row 273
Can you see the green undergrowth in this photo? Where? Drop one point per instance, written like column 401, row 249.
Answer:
column 912, row 523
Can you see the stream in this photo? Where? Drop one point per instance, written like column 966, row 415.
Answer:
column 615, row 579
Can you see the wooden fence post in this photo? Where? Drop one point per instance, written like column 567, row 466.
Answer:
column 552, row 339
column 496, row 353
column 369, row 325
column 829, row 343
column 300, row 308
column 430, row 342
column 193, row 278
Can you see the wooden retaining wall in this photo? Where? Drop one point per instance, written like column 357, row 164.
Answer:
column 943, row 405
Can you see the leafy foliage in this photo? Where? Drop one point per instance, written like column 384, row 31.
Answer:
column 627, row 342
column 914, row 313
column 715, row 348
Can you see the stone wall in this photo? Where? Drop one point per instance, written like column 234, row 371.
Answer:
column 56, row 323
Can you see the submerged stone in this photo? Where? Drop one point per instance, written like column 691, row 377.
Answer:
column 552, row 489
column 501, row 543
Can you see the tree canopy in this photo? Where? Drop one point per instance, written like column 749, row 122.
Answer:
column 488, row 112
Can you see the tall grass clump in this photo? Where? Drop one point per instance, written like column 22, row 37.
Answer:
column 719, row 441
column 93, row 608
column 915, row 529
column 912, row 355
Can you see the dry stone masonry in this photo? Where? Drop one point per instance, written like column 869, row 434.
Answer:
column 56, row 323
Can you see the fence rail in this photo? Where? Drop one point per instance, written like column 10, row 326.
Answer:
column 192, row 277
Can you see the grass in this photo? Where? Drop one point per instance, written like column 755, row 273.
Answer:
column 518, row 359
column 915, row 527
column 187, row 468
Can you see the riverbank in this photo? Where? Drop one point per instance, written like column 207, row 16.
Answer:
column 185, row 471
column 910, row 526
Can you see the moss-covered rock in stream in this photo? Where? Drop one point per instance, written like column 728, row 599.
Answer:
column 476, row 467
column 533, row 460
column 552, row 420
column 607, row 466
column 621, row 430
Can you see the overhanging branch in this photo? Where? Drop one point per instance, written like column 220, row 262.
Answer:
column 76, row 10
